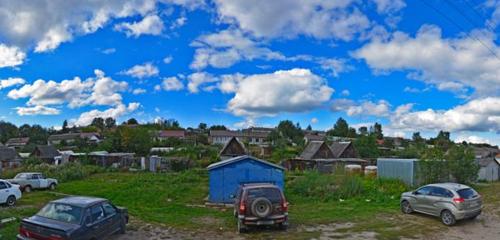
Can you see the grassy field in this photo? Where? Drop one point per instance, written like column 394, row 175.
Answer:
column 176, row 200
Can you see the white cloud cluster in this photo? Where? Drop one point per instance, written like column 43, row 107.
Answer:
column 472, row 139
column 197, row 79
column 476, row 115
column 289, row 18
column 389, row 6
column 116, row 112
column 37, row 110
column 142, row 71
column 451, row 64
column 172, row 84
column 381, row 108
column 11, row 56
column 295, row 90
column 149, row 25
column 9, row 82
column 225, row 48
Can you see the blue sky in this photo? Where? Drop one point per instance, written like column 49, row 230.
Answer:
column 412, row 65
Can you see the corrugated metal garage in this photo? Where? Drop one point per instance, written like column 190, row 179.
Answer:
column 403, row 169
column 226, row 176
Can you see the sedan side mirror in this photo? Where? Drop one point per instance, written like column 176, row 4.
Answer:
column 415, row 193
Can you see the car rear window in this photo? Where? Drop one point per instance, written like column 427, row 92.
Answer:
column 273, row 194
column 61, row 212
column 21, row 176
column 467, row 193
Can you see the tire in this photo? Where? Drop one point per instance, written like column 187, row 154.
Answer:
column 447, row 218
column 406, row 207
column 473, row 217
column 28, row 189
column 123, row 229
column 261, row 207
column 283, row 226
column 241, row 227
column 11, row 201
column 52, row 186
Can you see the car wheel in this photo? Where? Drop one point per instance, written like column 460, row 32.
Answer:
column 283, row 225
column 27, row 189
column 406, row 207
column 241, row 227
column 447, row 218
column 52, row 186
column 473, row 217
column 11, row 201
column 261, row 207
column 123, row 229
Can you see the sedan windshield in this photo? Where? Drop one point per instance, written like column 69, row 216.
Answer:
column 61, row 212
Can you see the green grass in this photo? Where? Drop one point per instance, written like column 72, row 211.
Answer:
column 176, row 200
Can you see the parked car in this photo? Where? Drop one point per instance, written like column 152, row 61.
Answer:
column 30, row 181
column 449, row 201
column 9, row 193
column 75, row 218
column 260, row 204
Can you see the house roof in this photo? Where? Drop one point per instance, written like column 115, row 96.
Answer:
column 311, row 149
column 172, row 133
column 314, row 137
column 47, row 151
column 17, row 141
column 8, row 154
column 241, row 158
column 339, row 147
column 225, row 133
column 226, row 150
column 483, row 162
column 62, row 137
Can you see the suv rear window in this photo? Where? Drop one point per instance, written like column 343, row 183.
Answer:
column 273, row 194
column 467, row 193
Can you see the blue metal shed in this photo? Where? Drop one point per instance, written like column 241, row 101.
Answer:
column 226, row 176
column 403, row 169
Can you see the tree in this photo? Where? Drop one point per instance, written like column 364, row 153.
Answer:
column 218, row 127
column 363, row 131
column 172, row 124
column 287, row 132
column 110, row 122
column 98, row 123
column 417, row 138
column 462, row 164
column 7, row 131
column 202, row 126
column 432, row 167
column 351, row 133
column 132, row 121
column 366, row 146
column 340, row 129
column 377, row 131
column 65, row 127
column 309, row 127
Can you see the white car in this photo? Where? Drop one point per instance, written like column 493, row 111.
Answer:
column 9, row 193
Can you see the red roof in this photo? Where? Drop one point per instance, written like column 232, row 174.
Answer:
column 172, row 133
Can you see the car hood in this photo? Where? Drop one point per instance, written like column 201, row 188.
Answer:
column 50, row 223
column 406, row 194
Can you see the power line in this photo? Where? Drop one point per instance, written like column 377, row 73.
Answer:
column 461, row 28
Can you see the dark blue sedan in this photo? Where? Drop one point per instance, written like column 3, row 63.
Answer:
column 78, row 218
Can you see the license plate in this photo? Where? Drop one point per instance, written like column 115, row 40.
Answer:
column 265, row 222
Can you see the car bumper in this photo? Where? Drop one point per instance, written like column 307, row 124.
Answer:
column 19, row 237
column 272, row 220
column 468, row 213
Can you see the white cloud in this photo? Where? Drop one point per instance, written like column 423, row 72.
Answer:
column 389, row 6
column 139, row 91
column 471, row 139
column 345, row 93
column 295, row 90
column 168, row 59
column 10, row 56
column 142, row 71
column 289, row 18
column 149, row 25
column 314, row 120
column 381, row 108
column 37, row 110
column 116, row 112
column 335, row 66
column 225, row 48
column 179, row 22
column 195, row 80
column 172, row 84
column 99, row 90
column 108, row 51
column 450, row 64
column 9, row 82
column 476, row 115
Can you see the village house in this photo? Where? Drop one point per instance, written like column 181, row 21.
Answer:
column 70, row 138
column 17, row 142
column 317, row 150
column 343, row 150
column 253, row 136
column 314, row 136
column 489, row 164
column 221, row 137
column 164, row 135
column 46, row 153
column 232, row 148
column 9, row 158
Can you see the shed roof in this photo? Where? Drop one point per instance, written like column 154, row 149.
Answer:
column 241, row 158
column 172, row 133
column 311, row 149
column 8, row 154
column 233, row 147
column 339, row 147
column 47, row 151
column 16, row 141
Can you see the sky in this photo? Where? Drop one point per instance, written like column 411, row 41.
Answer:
column 411, row 65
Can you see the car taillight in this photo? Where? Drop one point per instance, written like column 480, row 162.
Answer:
column 23, row 232
column 284, row 205
column 242, row 207
column 458, row 200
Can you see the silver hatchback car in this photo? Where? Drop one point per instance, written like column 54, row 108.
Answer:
column 450, row 201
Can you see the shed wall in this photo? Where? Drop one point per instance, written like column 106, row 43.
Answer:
column 403, row 169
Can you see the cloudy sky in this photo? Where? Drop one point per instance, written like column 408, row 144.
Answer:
column 411, row 65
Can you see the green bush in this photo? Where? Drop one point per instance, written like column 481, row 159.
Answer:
column 63, row 173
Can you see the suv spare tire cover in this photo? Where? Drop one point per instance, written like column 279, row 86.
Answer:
column 261, row 207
